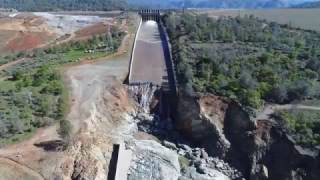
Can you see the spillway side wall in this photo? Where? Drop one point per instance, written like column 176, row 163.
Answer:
column 133, row 49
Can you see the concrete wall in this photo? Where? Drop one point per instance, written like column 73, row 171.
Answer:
column 133, row 50
column 123, row 163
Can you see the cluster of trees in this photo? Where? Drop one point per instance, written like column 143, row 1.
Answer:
column 244, row 58
column 108, row 42
column 34, row 100
column 304, row 126
column 211, row 3
column 11, row 57
column 56, row 54
column 34, row 96
column 55, row 5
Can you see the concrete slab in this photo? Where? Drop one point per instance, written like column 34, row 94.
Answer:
column 123, row 163
column 148, row 61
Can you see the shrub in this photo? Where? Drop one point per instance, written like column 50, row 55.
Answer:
column 245, row 58
column 303, row 125
column 65, row 129
column 279, row 94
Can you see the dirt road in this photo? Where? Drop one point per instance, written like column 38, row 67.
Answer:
column 268, row 110
column 87, row 83
column 99, row 103
column 5, row 66
column 14, row 171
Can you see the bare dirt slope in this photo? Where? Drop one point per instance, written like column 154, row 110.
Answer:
column 99, row 107
column 25, row 31
column 99, row 110
column 8, row 170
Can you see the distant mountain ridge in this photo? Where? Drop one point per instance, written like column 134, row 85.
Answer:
column 216, row 3
column 309, row 5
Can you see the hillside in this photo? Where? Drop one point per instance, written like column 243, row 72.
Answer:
column 262, row 68
column 251, row 61
column 97, row 5
column 309, row 5
column 216, row 3
column 48, row 5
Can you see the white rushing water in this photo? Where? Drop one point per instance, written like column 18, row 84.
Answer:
column 143, row 94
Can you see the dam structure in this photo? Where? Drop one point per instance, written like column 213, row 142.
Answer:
column 151, row 69
column 150, row 81
column 150, row 60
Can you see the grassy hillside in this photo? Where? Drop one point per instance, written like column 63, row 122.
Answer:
column 252, row 61
column 216, row 3
column 303, row 125
column 244, row 58
column 32, row 93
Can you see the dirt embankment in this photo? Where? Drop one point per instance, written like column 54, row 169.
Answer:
column 14, row 171
column 27, row 40
column 23, row 31
column 99, row 111
column 99, row 28
column 258, row 147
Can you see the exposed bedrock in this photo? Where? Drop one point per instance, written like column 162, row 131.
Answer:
column 260, row 149
column 154, row 161
column 202, row 119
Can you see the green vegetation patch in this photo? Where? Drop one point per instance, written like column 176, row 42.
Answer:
column 29, row 101
column 32, row 93
column 244, row 58
column 303, row 125
column 304, row 18
column 58, row 5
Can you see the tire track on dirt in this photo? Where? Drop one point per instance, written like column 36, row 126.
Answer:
column 20, row 171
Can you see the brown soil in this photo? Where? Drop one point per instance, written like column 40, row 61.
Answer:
column 29, row 157
column 23, row 23
column 98, row 100
column 27, row 40
column 5, row 36
column 14, row 171
column 99, row 28
column 23, row 32
column 214, row 106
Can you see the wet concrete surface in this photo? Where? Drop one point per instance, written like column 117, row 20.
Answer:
column 149, row 62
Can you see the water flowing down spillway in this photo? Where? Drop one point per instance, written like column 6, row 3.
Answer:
column 157, row 145
column 143, row 94
column 148, row 63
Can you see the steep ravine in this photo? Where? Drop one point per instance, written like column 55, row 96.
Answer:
column 259, row 148
column 161, row 152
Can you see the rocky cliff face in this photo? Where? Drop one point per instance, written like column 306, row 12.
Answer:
column 90, row 150
column 259, row 149
column 285, row 160
column 202, row 119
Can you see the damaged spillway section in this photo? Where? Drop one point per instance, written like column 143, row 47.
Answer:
column 144, row 94
column 160, row 152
